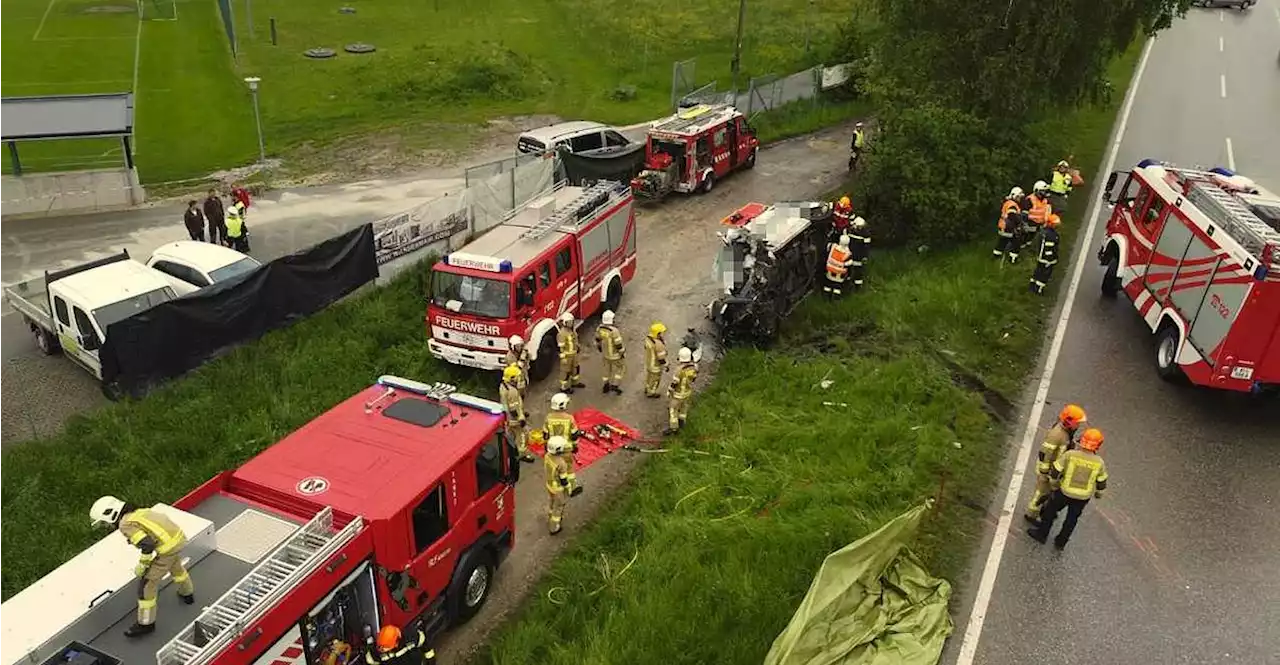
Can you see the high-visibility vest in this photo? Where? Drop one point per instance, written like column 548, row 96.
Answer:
column 557, row 468
column 144, row 523
column 858, row 138
column 1010, row 207
column 838, row 261
column 1061, row 183
column 1040, row 210
column 611, row 340
column 235, row 226
column 682, row 383
column 559, row 424
column 1080, row 474
column 511, row 400
column 655, row 354
column 567, row 339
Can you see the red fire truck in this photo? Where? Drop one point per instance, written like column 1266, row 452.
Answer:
column 571, row 250
column 395, row 506
column 692, row 149
column 1198, row 253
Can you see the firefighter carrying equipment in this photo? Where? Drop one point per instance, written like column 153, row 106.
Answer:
column 558, row 465
column 655, row 360
column 1057, row 441
column 567, row 340
column 871, row 603
column 1047, row 257
column 839, row 260
column 391, row 651
column 561, row 424
column 609, row 341
column 513, row 405
column 680, row 390
column 161, row 541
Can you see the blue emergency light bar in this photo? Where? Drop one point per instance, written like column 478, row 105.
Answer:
column 432, row 390
column 477, row 403
column 478, row 262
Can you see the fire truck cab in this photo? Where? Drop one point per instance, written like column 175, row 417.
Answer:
column 394, row 507
column 694, row 148
column 571, row 250
column 1198, row 254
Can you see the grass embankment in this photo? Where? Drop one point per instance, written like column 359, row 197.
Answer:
column 705, row 559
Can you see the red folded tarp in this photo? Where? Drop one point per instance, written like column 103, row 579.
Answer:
column 597, row 441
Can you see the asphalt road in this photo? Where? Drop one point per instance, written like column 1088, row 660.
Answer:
column 1180, row 563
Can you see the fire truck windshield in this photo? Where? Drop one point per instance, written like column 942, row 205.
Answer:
column 477, row 295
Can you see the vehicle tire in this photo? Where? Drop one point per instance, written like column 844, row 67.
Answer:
column 1167, row 340
column 751, row 159
column 548, row 354
column 47, row 343
column 470, row 587
column 708, row 183
column 1111, row 276
column 613, row 295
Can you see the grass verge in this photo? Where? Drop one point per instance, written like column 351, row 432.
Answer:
column 806, row 117
column 707, row 556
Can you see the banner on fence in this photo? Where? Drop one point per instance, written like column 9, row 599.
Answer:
column 429, row 224
column 836, row 75
column 492, row 198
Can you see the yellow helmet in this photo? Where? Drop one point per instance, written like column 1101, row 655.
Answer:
column 657, row 329
column 511, row 373
column 845, row 202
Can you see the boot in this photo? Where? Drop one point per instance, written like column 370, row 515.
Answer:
column 555, row 529
column 187, row 600
column 138, row 630
column 617, row 390
column 1036, row 535
column 607, row 388
column 1034, row 519
column 567, row 391
column 579, row 384
column 669, row 431
column 527, row 458
column 1059, row 544
column 652, row 395
column 577, row 489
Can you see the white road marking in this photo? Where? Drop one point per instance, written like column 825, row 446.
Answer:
column 36, row 36
column 1221, row 45
column 1222, row 84
column 986, row 586
column 1221, row 16
column 1231, row 156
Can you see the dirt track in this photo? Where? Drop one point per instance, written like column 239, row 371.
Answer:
column 676, row 246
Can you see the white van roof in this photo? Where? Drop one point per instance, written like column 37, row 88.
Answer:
column 556, row 132
column 112, row 283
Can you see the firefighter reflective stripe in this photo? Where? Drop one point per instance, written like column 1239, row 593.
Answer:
column 838, row 261
column 611, row 339
column 655, row 354
column 1061, row 183
column 1040, row 210
column 521, row 359
column 1049, row 247
column 1056, row 442
column 557, row 469
column 1079, row 474
column 682, row 384
column 560, row 424
column 567, row 339
column 511, row 401
column 139, row 524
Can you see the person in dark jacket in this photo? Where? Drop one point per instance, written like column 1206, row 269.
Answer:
column 214, row 212
column 194, row 220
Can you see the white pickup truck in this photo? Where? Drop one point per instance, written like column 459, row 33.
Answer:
column 72, row 308
column 190, row 265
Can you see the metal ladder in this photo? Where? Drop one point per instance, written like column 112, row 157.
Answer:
column 253, row 596
column 555, row 219
column 1230, row 212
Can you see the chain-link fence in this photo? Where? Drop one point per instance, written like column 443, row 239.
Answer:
column 499, row 187
column 763, row 93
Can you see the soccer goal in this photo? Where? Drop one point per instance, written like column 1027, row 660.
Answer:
column 158, row 10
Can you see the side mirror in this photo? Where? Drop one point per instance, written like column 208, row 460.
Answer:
column 1111, row 183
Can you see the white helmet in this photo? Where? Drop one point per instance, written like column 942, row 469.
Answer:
column 1040, row 186
column 557, row 445
column 685, row 355
column 559, row 402
column 515, row 341
column 1063, row 164
column 844, row 239
column 607, row 317
column 1016, row 192
column 566, row 319
column 859, row 223
column 107, row 510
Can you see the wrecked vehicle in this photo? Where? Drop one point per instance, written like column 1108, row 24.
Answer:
column 770, row 259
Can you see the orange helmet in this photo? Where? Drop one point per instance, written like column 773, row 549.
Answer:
column 1091, row 440
column 388, row 638
column 844, row 203
column 1071, row 417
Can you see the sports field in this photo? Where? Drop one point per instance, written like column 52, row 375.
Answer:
column 441, row 67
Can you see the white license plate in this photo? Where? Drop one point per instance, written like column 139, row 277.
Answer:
column 470, row 362
column 1242, row 373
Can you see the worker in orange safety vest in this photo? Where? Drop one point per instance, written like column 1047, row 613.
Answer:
column 1038, row 211
column 1011, row 220
column 839, row 260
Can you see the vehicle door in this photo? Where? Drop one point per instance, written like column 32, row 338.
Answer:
column 68, row 338
column 613, row 139
column 547, row 302
column 743, row 135
column 88, row 342
column 1168, row 241
column 434, row 541
column 526, row 299
column 567, row 279
column 735, row 152
column 190, row 278
column 497, row 470
column 702, row 157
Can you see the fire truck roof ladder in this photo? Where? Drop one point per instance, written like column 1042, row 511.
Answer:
column 1231, row 214
column 554, row 220
column 253, row 596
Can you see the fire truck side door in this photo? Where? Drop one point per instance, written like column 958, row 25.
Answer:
column 433, row 539
column 567, row 280
column 720, row 157
column 526, row 296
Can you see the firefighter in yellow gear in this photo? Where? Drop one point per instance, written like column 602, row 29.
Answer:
column 518, row 355
column 558, row 464
column 567, row 339
column 609, row 342
column 513, row 404
column 680, row 390
column 839, row 260
column 1010, row 222
column 655, row 359
column 1060, row 439
column 160, row 541
column 561, row 423
column 1077, row 476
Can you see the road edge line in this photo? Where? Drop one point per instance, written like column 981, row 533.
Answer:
column 986, row 586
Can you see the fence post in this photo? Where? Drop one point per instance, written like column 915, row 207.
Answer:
column 817, row 85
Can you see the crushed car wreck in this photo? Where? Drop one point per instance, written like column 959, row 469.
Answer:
column 770, row 259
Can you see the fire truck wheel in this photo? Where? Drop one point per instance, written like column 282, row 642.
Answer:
column 708, row 183
column 751, row 160
column 613, row 296
column 1111, row 276
column 470, row 586
column 548, row 353
column 1167, row 353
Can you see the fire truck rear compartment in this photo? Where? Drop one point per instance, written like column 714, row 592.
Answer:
column 245, row 534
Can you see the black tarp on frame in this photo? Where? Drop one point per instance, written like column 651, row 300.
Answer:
column 617, row 164
column 177, row 336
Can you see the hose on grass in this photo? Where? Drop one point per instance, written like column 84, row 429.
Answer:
column 610, row 578
column 551, row 595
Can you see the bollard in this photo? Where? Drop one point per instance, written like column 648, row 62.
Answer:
column 273, row 31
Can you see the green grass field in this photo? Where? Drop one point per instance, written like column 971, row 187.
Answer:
column 440, row 71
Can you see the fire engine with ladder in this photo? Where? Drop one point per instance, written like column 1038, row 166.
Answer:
column 691, row 150
column 394, row 507
column 570, row 250
column 1198, row 254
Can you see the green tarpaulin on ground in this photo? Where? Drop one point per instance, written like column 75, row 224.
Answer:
column 871, row 603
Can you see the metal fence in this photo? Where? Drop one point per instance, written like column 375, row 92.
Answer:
column 763, row 93
column 499, row 187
